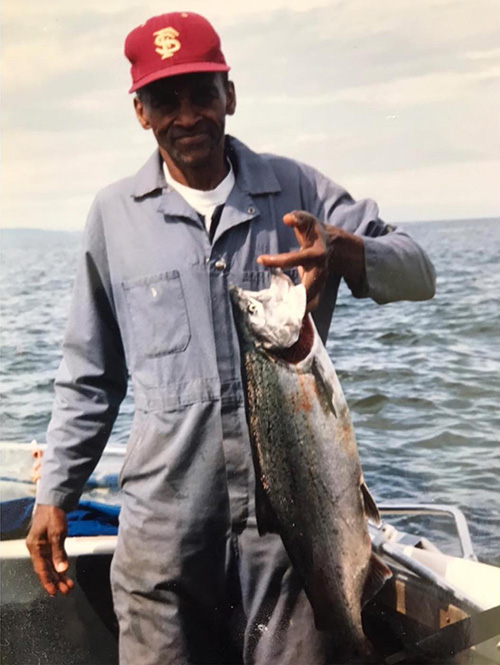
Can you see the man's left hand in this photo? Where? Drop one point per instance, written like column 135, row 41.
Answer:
column 323, row 251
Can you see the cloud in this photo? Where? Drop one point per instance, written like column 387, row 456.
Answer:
column 430, row 192
column 410, row 91
column 350, row 86
column 43, row 40
column 488, row 54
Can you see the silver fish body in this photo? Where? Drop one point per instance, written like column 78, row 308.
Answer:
column 310, row 487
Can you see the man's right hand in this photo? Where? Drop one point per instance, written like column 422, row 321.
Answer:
column 45, row 543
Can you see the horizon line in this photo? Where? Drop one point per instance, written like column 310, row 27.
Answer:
column 406, row 221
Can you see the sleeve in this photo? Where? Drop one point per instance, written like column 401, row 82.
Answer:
column 91, row 381
column 397, row 268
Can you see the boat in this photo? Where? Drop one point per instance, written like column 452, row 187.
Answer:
column 436, row 608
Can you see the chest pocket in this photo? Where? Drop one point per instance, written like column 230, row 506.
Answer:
column 158, row 313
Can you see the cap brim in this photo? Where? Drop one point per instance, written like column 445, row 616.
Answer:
column 177, row 70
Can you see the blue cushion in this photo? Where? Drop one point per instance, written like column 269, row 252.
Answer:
column 89, row 519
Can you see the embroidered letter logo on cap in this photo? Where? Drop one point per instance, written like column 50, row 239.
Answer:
column 166, row 42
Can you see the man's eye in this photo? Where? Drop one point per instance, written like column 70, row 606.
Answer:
column 205, row 96
column 165, row 104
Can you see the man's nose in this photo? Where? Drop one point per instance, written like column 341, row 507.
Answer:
column 188, row 114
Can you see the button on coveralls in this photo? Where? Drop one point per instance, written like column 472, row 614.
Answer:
column 190, row 575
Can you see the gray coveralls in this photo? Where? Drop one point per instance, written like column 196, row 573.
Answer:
column 191, row 577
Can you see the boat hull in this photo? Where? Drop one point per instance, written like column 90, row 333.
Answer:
column 81, row 628
column 77, row 629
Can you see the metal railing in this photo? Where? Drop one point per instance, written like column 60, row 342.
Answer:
column 398, row 508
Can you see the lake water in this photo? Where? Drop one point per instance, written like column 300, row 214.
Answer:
column 422, row 379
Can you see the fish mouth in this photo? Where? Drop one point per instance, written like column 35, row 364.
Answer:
column 234, row 292
column 240, row 315
column 237, row 299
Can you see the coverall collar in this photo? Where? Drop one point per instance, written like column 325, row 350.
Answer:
column 253, row 174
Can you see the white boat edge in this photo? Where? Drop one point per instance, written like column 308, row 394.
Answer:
column 75, row 546
column 480, row 581
column 110, row 449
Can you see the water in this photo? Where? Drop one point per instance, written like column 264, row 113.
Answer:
column 421, row 379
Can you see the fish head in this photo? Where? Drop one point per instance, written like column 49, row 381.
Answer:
column 246, row 308
column 271, row 318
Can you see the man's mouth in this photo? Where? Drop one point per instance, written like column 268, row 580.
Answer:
column 192, row 139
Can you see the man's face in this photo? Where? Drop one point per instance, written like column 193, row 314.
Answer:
column 187, row 115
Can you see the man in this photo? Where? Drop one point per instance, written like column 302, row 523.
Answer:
column 191, row 577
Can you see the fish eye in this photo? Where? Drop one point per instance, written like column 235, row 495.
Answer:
column 252, row 308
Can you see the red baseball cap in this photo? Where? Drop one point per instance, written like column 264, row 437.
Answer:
column 172, row 44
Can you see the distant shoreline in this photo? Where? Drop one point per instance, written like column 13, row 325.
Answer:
column 32, row 230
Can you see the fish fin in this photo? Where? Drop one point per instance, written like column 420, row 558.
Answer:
column 371, row 509
column 266, row 519
column 378, row 574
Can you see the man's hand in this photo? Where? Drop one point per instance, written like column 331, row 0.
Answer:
column 323, row 251
column 45, row 543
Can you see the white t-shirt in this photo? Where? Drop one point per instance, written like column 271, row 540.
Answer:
column 204, row 202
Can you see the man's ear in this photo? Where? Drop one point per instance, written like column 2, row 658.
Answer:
column 141, row 113
column 231, row 98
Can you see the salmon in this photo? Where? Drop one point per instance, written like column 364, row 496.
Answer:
column 309, row 482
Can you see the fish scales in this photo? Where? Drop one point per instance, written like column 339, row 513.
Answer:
column 307, row 477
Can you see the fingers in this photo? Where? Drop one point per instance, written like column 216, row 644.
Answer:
column 57, row 534
column 300, row 219
column 51, row 580
column 313, row 281
column 306, row 257
column 65, row 584
column 307, row 229
column 312, row 258
column 311, row 238
column 40, row 559
column 45, row 543
column 311, row 271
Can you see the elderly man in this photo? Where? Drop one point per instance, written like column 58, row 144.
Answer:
column 192, row 580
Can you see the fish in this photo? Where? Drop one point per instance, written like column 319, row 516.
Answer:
column 309, row 482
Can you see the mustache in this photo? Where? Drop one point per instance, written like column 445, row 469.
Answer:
column 200, row 127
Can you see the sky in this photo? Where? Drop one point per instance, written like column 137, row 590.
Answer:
column 398, row 101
